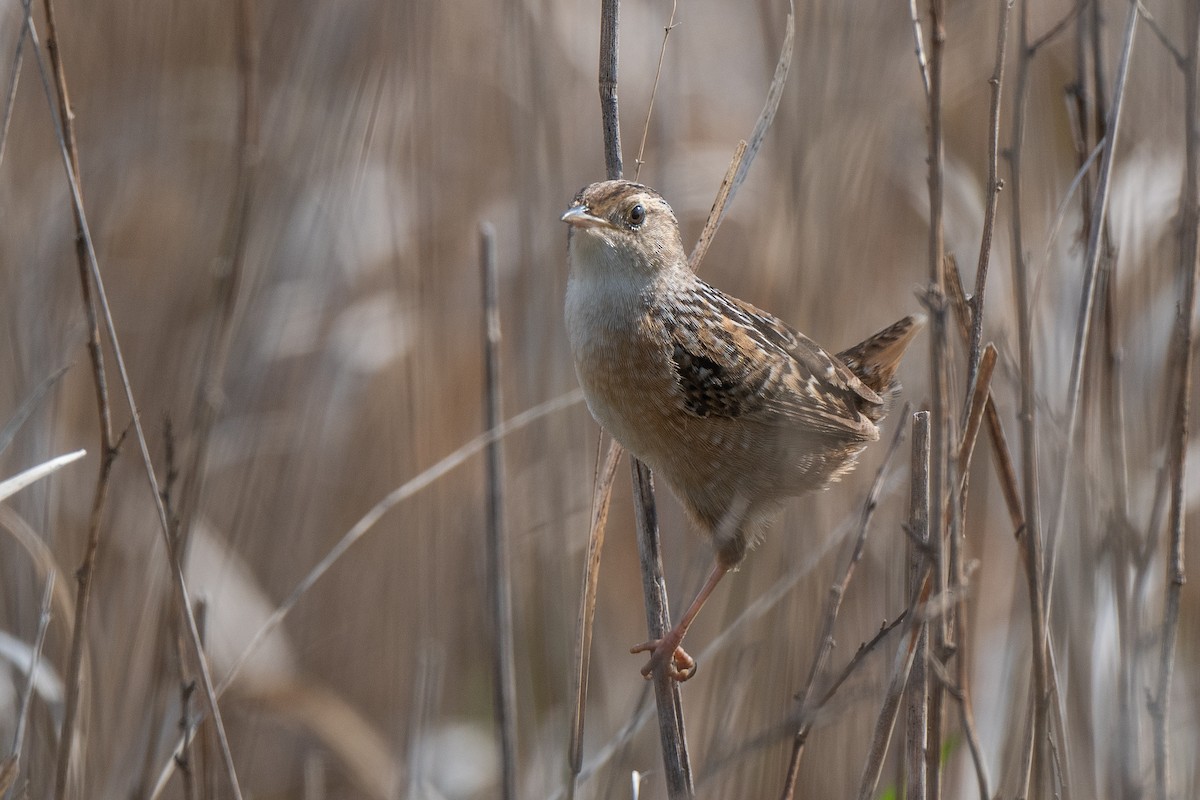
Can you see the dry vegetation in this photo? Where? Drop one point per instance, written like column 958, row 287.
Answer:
column 284, row 202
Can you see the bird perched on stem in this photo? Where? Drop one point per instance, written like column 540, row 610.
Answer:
column 733, row 408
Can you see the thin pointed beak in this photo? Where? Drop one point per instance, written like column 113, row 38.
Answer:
column 579, row 217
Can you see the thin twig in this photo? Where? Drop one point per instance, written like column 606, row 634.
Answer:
column 1087, row 297
column 1184, row 334
column 1029, row 535
column 210, row 392
column 996, row 82
column 1181, row 60
column 1057, row 27
column 770, row 105
column 922, row 61
column 587, row 608
column 8, row 773
column 65, row 128
column 717, row 212
column 498, row 566
column 18, row 58
column 662, row 53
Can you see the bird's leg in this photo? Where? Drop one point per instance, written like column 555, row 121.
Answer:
column 680, row 666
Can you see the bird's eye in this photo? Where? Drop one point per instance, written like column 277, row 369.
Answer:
column 637, row 214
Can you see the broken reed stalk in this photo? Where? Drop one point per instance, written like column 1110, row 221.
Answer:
column 916, row 727
column 919, row 517
column 1184, row 334
column 499, row 569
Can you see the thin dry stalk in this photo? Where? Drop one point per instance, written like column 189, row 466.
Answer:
column 1029, row 535
column 771, row 104
column 605, row 476
column 902, row 665
column 806, row 708
column 108, row 444
column 15, row 79
column 10, row 767
column 1185, row 337
column 942, row 423
column 499, row 569
column 662, row 53
column 919, row 37
column 996, row 81
column 1096, row 233
column 916, row 727
column 210, row 389
column 671, row 730
column 717, row 212
column 609, row 25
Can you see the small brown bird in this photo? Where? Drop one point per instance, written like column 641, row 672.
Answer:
column 736, row 410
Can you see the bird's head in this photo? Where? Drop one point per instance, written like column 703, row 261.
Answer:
column 621, row 225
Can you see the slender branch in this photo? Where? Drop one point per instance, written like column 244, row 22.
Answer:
column 498, row 566
column 1185, row 336
column 717, row 212
column 609, row 13
column 1181, row 60
column 10, row 766
column 15, row 79
column 662, row 53
column 771, row 104
column 1087, row 298
column 919, row 37
column 1029, row 535
column 996, row 82
column 672, row 735
column 587, row 609
column 65, row 127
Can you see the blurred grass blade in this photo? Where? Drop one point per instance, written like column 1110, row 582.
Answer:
column 19, row 481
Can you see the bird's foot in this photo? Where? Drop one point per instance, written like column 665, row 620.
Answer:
column 680, row 666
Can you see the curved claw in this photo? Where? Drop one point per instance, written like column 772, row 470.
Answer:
column 680, row 665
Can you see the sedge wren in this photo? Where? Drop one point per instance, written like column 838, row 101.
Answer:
column 733, row 408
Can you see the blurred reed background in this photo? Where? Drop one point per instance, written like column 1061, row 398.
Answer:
column 285, row 200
